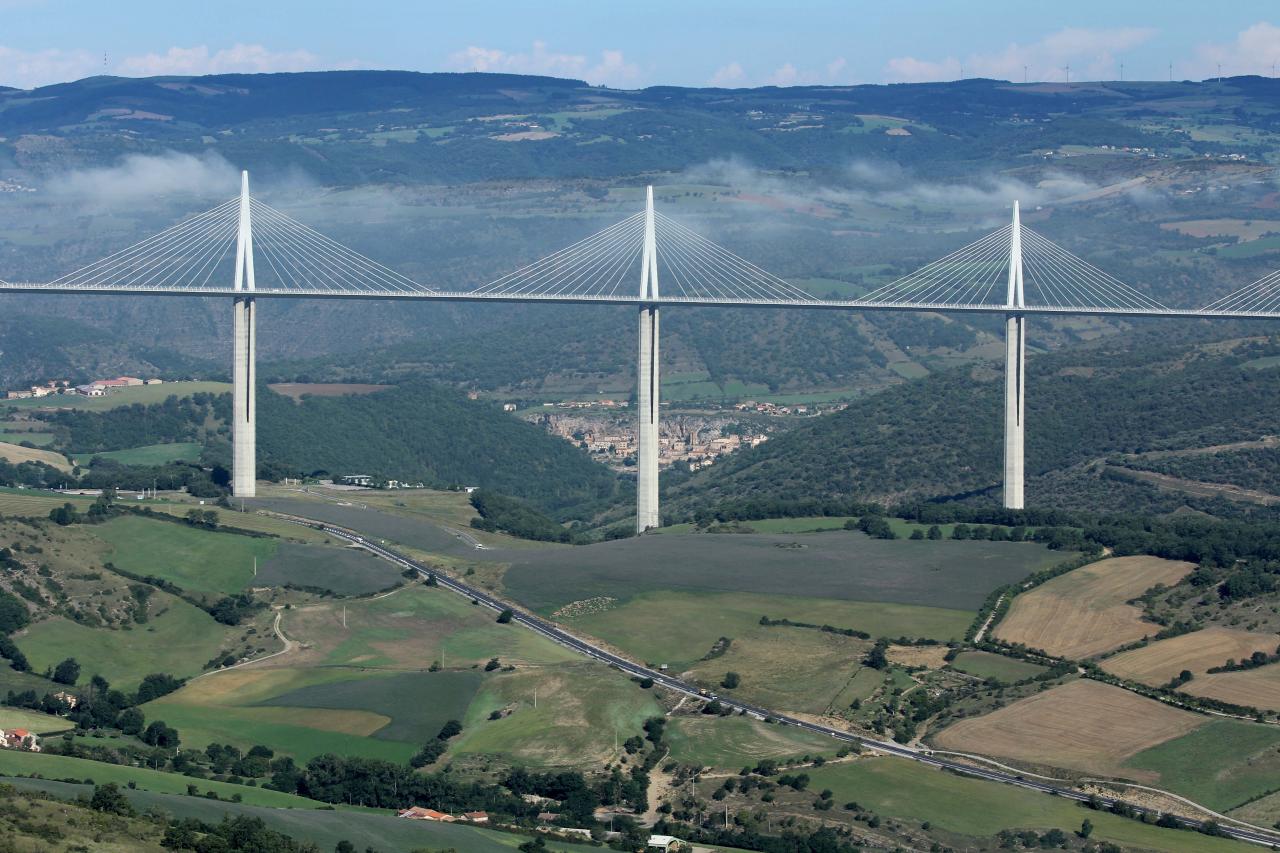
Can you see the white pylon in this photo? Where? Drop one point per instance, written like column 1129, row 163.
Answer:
column 244, row 346
column 1015, row 373
column 647, row 385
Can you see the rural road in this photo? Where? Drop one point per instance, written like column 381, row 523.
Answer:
column 558, row 635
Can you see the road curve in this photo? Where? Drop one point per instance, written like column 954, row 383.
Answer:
column 553, row 632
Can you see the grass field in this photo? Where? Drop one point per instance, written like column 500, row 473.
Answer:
column 122, row 397
column 196, row 560
column 339, row 569
column 999, row 667
column 39, row 439
column 1083, row 612
column 910, row 791
column 298, row 390
column 678, row 628
column 840, row 564
column 33, row 721
column 1264, row 811
column 18, row 454
column 733, row 742
column 178, row 638
column 1162, row 660
column 1254, row 688
column 1222, row 764
column 790, row 669
column 322, row 827
column 18, row 763
column 582, row 710
column 1082, row 725
column 154, row 454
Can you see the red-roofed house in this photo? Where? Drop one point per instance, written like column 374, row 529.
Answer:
column 418, row 813
column 20, row 739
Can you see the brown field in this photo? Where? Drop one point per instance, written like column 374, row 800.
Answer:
column 1246, row 230
column 324, row 389
column 1082, row 725
column 1083, row 612
column 931, row 657
column 1256, row 688
column 17, row 454
column 1198, row 651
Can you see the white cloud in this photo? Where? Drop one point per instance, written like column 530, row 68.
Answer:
column 611, row 69
column 28, row 69
column 728, row 76
column 1091, row 54
column 140, row 177
column 1255, row 51
column 789, row 75
column 240, row 58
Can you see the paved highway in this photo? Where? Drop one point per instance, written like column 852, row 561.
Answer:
column 924, row 756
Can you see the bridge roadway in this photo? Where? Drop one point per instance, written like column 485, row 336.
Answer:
column 635, row 301
column 670, row 682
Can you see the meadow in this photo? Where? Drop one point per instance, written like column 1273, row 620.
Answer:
column 1084, row 612
column 999, row 667
column 1081, row 725
column 1222, row 764
column 154, row 454
column 839, row 564
column 971, row 807
column 195, row 559
column 732, row 742
column 341, row 569
column 33, row 721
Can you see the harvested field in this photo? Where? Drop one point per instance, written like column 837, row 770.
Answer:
column 1244, row 229
column 297, row 390
column 1083, row 612
column 1255, row 688
column 930, row 657
column 1162, row 660
column 18, row 454
column 1082, row 725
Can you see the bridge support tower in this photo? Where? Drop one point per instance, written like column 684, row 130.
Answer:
column 647, row 386
column 1015, row 374
column 243, row 372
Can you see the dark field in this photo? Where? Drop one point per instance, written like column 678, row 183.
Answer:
column 839, row 564
column 382, row 525
column 418, row 703
column 345, row 571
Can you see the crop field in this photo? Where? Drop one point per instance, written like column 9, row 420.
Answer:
column 1222, row 764
column 1162, row 660
column 999, row 667
column 416, row 703
column 1082, row 725
column 196, row 560
column 340, row 569
column 912, row 792
column 790, row 669
column 580, row 709
column 178, row 638
column 839, row 564
column 154, row 454
column 1255, row 688
column 32, row 503
column 732, row 742
column 122, row 397
column 678, row 628
column 15, row 762
column 1083, row 612
column 18, row 454
column 33, row 721
column 313, row 822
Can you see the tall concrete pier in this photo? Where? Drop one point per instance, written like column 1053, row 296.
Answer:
column 647, row 388
column 243, row 371
column 1015, row 373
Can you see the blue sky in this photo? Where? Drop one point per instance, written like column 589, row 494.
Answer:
column 634, row 44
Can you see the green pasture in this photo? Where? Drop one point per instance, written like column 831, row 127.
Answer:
column 195, row 559
column 1222, row 764
column 733, row 742
column 122, row 397
column 178, row 639
column 154, row 454
column 910, row 791
column 999, row 667
column 32, row 721
column 340, row 569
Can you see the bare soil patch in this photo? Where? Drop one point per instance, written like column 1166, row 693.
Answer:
column 1083, row 612
column 1082, row 725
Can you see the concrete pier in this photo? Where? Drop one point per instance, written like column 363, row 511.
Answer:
column 1015, row 375
column 648, row 389
column 244, row 467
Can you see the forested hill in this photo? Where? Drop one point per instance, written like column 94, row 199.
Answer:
column 422, row 431
column 940, row 436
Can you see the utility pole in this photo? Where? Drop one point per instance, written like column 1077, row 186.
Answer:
column 1121, row 72
column 1066, row 73
column 1024, row 73
column 535, row 698
column 344, row 616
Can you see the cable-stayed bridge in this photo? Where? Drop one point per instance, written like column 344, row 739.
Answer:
column 244, row 249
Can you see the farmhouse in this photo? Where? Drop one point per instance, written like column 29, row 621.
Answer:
column 356, row 480
column 70, row 700
column 662, row 842
column 19, row 739
column 476, row 817
column 418, row 813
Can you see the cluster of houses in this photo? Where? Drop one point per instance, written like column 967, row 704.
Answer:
column 418, row 813
column 96, row 388
column 656, row 842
